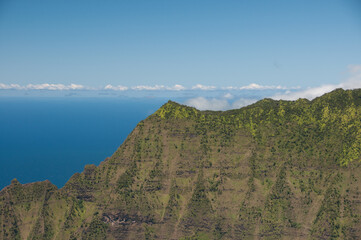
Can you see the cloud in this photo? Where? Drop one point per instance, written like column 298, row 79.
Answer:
column 51, row 86
column 47, row 86
column 255, row 86
column 228, row 96
column 242, row 102
column 216, row 104
column 352, row 82
column 145, row 87
column 76, row 86
column 202, row 103
column 309, row 93
column 115, row 88
column 203, row 87
column 230, row 88
column 10, row 86
column 176, row 87
column 44, row 86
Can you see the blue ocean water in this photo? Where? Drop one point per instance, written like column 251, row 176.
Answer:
column 52, row 138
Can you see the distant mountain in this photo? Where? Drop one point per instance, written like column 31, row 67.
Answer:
column 272, row 170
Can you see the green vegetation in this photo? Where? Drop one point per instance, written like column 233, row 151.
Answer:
column 271, row 170
column 96, row 230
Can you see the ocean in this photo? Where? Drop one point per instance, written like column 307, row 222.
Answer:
column 53, row 138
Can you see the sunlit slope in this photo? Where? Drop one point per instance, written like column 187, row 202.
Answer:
column 272, row 170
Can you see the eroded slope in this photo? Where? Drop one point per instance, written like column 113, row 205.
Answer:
column 272, row 170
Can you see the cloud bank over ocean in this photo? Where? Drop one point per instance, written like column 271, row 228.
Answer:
column 202, row 97
column 176, row 87
column 43, row 86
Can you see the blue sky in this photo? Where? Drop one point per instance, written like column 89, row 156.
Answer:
column 94, row 44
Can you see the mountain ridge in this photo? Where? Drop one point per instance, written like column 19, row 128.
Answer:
column 270, row 170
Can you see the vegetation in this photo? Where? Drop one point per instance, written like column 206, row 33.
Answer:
column 271, row 170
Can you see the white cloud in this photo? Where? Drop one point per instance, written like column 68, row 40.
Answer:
column 203, row 87
column 145, row 87
column 49, row 86
column 228, row 96
column 309, row 93
column 76, row 86
column 44, row 86
column 116, row 88
column 252, row 86
column 352, row 82
column 255, row 86
column 10, row 86
column 176, row 87
column 242, row 102
column 230, row 88
column 215, row 104
column 202, row 103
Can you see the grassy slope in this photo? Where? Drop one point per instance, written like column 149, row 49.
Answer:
column 272, row 170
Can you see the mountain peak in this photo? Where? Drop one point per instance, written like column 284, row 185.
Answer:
column 175, row 110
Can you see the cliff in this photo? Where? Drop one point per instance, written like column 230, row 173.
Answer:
column 271, row 170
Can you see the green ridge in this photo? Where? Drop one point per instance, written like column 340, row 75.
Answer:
column 271, row 170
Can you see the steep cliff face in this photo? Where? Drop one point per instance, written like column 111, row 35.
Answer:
column 272, row 170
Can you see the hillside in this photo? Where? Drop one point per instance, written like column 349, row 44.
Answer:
column 271, row 170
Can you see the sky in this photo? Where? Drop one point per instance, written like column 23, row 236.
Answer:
column 188, row 45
